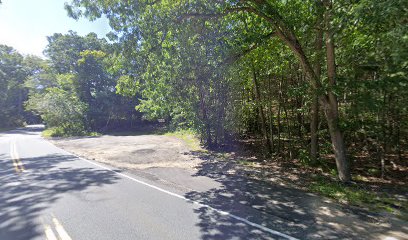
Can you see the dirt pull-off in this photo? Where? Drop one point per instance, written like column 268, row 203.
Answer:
column 131, row 152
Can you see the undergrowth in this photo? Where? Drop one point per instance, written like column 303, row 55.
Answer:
column 60, row 132
column 188, row 136
column 354, row 194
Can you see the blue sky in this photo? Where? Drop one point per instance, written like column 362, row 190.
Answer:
column 24, row 24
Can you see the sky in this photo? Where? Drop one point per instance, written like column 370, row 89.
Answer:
column 25, row 24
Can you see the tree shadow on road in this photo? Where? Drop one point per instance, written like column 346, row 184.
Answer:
column 287, row 210
column 25, row 196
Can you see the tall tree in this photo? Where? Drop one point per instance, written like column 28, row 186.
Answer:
column 12, row 90
column 186, row 53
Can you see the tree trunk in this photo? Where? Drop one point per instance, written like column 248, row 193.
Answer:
column 279, row 115
column 261, row 112
column 314, row 110
column 270, row 114
column 288, row 128
column 314, row 122
column 339, row 149
column 332, row 113
column 205, row 117
column 287, row 35
column 330, row 55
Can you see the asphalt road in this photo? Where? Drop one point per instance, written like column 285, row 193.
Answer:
column 47, row 193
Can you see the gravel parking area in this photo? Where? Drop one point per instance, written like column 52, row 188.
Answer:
column 131, row 152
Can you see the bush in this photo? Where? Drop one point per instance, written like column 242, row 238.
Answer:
column 62, row 110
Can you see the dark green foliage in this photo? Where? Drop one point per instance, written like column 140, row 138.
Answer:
column 59, row 106
column 77, row 93
column 12, row 92
column 248, row 69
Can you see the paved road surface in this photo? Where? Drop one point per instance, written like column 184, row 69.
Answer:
column 47, row 193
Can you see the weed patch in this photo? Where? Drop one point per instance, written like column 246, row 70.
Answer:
column 188, row 136
column 356, row 195
column 60, row 132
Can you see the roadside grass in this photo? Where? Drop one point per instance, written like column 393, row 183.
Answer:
column 246, row 162
column 355, row 194
column 59, row 132
column 188, row 136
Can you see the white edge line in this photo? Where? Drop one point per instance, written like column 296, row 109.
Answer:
column 263, row 228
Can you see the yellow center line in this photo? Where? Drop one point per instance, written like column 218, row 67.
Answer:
column 18, row 165
column 13, row 157
column 63, row 235
column 19, row 162
column 49, row 233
